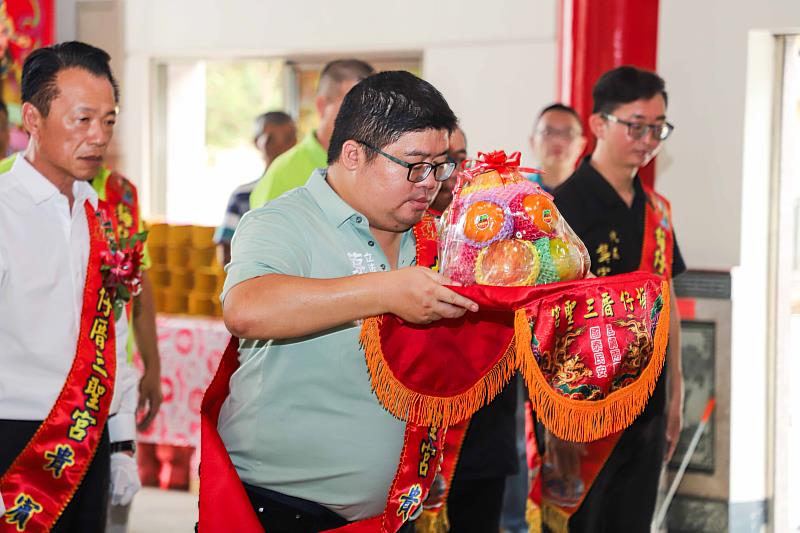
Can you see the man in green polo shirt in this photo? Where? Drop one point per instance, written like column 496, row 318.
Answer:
column 308, row 438
column 293, row 168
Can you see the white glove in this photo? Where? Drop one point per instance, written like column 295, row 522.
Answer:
column 124, row 478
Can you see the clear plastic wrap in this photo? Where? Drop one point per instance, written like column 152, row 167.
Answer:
column 503, row 229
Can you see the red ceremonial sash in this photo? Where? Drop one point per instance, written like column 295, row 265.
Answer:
column 222, row 495
column 122, row 198
column 423, row 448
column 425, row 237
column 41, row 481
column 553, row 497
column 657, row 246
column 435, row 520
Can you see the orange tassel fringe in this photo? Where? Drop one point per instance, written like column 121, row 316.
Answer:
column 573, row 420
column 556, row 520
column 433, row 521
column 533, row 516
column 583, row 421
column 423, row 409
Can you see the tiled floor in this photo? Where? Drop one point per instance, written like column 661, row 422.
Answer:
column 163, row 511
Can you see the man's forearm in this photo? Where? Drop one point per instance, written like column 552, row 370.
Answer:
column 277, row 306
column 144, row 326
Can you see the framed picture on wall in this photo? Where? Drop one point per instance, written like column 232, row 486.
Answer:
column 697, row 350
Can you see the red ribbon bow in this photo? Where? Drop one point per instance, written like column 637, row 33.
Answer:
column 495, row 160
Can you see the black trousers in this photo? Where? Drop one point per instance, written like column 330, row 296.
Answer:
column 475, row 505
column 623, row 497
column 86, row 512
column 279, row 513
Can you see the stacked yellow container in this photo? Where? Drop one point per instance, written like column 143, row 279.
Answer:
column 179, row 244
column 203, row 296
column 158, row 273
column 185, row 275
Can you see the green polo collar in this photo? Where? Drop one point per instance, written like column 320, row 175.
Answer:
column 335, row 208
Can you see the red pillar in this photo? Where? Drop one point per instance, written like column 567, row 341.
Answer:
column 596, row 36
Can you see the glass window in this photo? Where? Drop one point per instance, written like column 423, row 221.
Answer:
column 203, row 139
column 209, row 138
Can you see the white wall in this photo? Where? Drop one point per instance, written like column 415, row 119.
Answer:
column 496, row 66
column 66, row 24
column 702, row 54
column 216, row 26
column 497, row 90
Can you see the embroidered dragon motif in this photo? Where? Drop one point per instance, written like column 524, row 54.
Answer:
column 637, row 353
column 565, row 370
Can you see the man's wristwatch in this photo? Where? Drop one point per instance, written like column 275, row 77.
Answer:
column 123, row 446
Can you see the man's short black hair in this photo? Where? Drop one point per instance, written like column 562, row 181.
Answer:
column 3, row 107
column 270, row 117
column 43, row 65
column 384, row 107
column 339, row 71
column 558, row 106
column 624, row 85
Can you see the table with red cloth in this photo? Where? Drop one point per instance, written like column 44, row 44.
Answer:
column 190, row 350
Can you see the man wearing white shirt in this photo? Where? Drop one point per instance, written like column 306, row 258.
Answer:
column 69, row 109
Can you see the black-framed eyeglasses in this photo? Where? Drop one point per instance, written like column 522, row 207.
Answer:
column 457, row 159
column 418, row 172
column 567, row 134
column 637, row 130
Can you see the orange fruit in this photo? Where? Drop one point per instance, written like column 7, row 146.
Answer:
column 542, row 211
column 487, row 180
column 483, row 221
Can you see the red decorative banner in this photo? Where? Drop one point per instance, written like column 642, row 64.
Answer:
column 591, row 352
column 25, row 25
column 551, row 500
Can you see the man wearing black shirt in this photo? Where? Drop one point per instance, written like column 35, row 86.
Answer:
column 604, row 201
